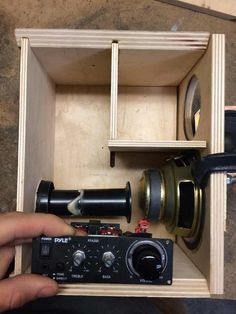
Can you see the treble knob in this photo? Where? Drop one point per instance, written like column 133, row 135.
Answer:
column 78, row 258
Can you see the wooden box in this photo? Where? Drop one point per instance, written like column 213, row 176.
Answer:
column 86, row 93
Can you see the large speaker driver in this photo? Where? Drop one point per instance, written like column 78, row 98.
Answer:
column 174, row 193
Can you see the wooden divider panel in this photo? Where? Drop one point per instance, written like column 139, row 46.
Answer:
column 209, row 258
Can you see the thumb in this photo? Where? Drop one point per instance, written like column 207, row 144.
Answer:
column 17, row 291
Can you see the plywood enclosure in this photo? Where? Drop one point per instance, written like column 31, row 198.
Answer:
column 86, row 93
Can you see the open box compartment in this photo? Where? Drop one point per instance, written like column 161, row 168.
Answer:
column 75, row 89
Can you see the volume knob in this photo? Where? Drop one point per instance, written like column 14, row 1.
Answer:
column 78, row 258
column 147, row 260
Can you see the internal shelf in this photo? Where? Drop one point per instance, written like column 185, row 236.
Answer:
column 147, row 146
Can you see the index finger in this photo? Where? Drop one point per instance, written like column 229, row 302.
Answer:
column 15, row 226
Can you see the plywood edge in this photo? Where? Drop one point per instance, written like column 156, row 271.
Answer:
column 22, row 121
column 21, row 141
column 183, row 46
column 114, row 90
column 132, row 145
column 223, row 9
column 104, row 32
column 218, row 181
column 218, row 205
column 35, row 33
column 104, row 38
column 179, row 288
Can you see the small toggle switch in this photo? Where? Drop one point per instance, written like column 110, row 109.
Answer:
column 45, row 250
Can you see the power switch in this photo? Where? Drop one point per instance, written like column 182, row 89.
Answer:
column 45, row 250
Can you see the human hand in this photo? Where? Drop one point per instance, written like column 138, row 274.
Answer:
column 17, row 228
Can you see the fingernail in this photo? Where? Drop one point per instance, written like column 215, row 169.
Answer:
column 80, row 232
column 47, row 292
column 69, row 230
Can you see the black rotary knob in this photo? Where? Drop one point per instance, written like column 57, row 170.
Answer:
column 148, row 261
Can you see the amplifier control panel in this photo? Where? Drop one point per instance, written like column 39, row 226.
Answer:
column 104, row 259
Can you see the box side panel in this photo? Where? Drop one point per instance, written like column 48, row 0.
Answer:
column 36, row 136
column 202, row 70
column 210, row 71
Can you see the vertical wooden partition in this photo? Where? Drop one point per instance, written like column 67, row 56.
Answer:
column 211, row 74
